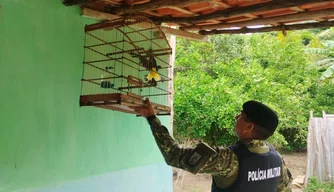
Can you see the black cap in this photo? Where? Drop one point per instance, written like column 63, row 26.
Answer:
column 261, row 115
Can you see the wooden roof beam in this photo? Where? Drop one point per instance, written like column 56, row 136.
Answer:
column 181, row 10
column 76, row 2
column 275, row 4
column 265, row 21
column 251, row 15
column 93, row 14
column 268, row 29
column 297, row 9
column 320, row 19
column 167, row 30
column 152, row 13
column 220, row 3
column 152, row 5
column 184, row 34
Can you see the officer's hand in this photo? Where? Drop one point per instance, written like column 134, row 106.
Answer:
column 146, row 110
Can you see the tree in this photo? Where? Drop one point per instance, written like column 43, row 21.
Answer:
column 212, row 80
column 324, row 54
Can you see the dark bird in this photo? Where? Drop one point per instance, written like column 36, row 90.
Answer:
column 150, row 63
column 147, row 61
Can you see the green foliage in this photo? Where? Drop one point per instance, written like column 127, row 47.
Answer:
column 315, row 186
column 323, row 54
column 322, row 96
column 213, row 80
column 326, row 34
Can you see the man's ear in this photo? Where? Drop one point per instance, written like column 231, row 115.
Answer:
column 250, row 127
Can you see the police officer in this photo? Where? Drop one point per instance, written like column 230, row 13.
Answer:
column 249, row 165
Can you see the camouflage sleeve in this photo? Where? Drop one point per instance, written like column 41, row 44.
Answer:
column 285, row 180
column 223, row 161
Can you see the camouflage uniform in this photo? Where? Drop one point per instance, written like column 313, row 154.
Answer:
column 223, row 163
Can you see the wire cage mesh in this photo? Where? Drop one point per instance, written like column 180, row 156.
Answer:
column 126, row 60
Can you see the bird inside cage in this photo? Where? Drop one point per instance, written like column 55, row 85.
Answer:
column 150, row 63
column 153, row 77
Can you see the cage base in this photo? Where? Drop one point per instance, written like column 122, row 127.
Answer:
column 120, row 102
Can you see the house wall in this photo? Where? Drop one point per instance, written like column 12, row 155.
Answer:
column 47, row 142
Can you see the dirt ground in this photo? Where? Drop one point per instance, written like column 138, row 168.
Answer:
column 187, row 182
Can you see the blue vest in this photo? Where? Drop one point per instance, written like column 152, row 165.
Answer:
column 257, row 172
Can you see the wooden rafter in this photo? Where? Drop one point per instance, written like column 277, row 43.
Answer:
column 93, row 14
column 184, row 34
column 268, row 29
column 213, row 16
column 220, row 3
column 76, row 2
column 297, row 9
column 250, row 15
column 153, row 5
column 266, row 21
column 167, row 30
column 275, row 4
column 181, row 10
column 152, row 13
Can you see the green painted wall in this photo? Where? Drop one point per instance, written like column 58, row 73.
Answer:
column 45, row 138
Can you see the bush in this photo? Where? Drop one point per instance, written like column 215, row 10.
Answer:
column 315, row 186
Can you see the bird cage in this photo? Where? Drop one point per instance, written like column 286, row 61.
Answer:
column 126, row 60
